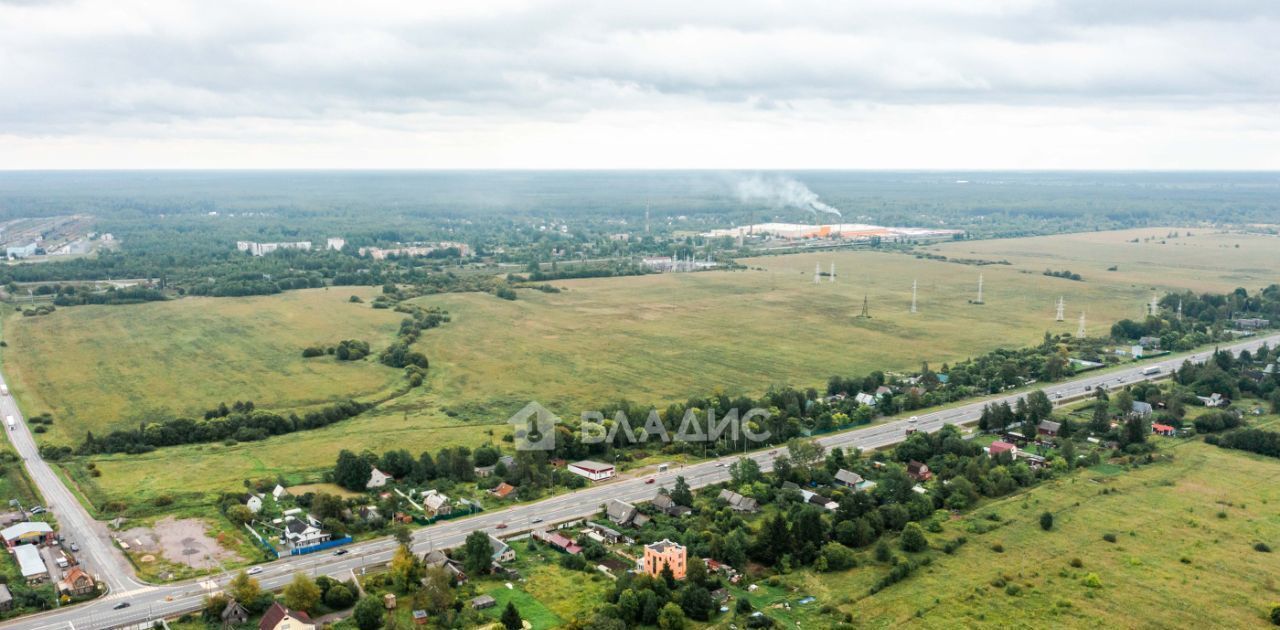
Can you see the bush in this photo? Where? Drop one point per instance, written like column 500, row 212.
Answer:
column 1109, row 537
column 1046, row 521
column 913, row 538
column 1013, row 589
column 1077, row 563
column 1092, row 581
column 997, row 547
column 1261, row 546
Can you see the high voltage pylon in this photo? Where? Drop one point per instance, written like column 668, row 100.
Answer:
column 1061, row 308
column 913, row 296
column 1080, row 328
column 866, row 311
column 1179, row 309
column 979, row 300
column 1155, row 305
column 817, row 272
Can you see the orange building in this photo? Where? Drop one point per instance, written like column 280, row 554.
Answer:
column 665, row 553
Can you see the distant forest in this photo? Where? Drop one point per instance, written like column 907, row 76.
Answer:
column 181, row 226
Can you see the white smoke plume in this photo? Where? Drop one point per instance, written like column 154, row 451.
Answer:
column 782, row 192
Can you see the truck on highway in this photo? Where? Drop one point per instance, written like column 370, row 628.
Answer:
column 1148, row 371
column 10, row 420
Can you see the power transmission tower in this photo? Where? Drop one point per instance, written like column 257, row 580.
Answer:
column 817, row 272
column 1080, row 328
column 1061, row 307
column 1155, row 305
column 866, row 312
column 1179, row 309
column 979, row 300
column 913, row 296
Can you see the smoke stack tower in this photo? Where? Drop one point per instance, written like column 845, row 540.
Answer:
column 913, row 296
column 979, row 300
column 1080, row 328
column 1061, row 307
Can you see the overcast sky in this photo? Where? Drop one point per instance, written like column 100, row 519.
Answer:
column 968, row 84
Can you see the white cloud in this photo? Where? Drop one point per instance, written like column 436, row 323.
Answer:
column 880, row 84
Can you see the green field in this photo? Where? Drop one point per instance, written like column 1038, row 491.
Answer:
column 1208, row 260
column 650, row 339
column 1183, row 556
column 101, row 367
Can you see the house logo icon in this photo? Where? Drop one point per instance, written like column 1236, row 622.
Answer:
column 534, row 428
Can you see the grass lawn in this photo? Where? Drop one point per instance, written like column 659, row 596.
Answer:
column 531, row 609
column 1183, row 556
column 96, row 368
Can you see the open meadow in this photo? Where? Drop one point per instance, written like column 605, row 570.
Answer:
column 96, row 368
column 651, row 339
column 1183, row 554
column 1200, row 259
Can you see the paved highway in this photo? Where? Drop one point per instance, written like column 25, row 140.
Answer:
column 153, row 602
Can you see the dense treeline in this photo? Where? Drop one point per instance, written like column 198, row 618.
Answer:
column 1258, row 441
column 244, row 425
column 1187, row 320
column 1065, row 274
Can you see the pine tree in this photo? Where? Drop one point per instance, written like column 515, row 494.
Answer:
column 511, row 618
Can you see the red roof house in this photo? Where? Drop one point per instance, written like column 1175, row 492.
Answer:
column 999, row 447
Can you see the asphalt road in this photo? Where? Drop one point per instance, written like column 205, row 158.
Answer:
column 153, row 602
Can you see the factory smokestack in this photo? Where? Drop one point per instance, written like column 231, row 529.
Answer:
column 783, row 192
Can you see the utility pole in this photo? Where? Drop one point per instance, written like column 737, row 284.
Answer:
column 979, row 301
column 817, row 273
column 913, row 295
column 1061, row 307
column 1080, row 328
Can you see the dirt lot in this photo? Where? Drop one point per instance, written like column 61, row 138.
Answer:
column 180, row 541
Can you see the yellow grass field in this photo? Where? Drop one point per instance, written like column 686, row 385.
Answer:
column 1208, row 260
column 650, row 339
column 99, row 367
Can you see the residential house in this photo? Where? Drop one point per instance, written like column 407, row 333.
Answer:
column 438, row 558
column 594, row 471
column 76, row 582
column 814, row 498
column 557, row 541
column 502, row 552
column 1149, row 342
column 919, row 471
column 739, row 503
column 436, row 503
column 669, row 507
column 502, row 490
column 482, row 602
column 607, row 534
column 999, row 447
column 848, row 478
column 1048, row 428
column 377, row 479
column 279, row 492
column 1214, row 400
column 1140, row 409
column 1162, row 429
column 369, row 512
column 31, row 564
column 865, row 399
column 6, row 598
column 234, row 614
column 507, row 462
column 280, row 618
column 620, row 512
column 303, row 533
column 665, row 553
column 30, row 532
